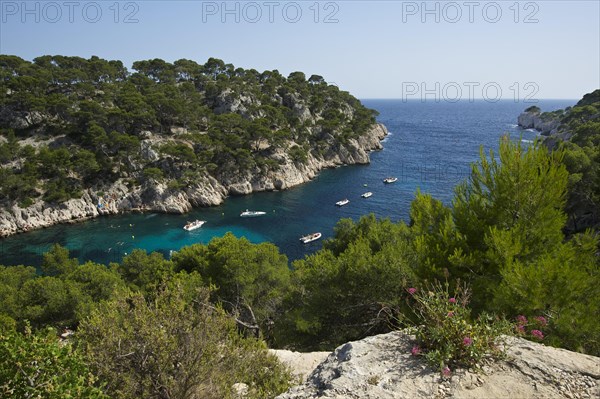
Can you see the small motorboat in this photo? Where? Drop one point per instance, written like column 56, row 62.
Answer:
column 367, row 194
column 310, row 237
column 251, row 214
column 389, row 180
column 196, row 224
column 342, row 202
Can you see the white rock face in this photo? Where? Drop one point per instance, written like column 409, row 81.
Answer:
column 533, row 120
column 207, row 191
column 298, row 106
column 301, row 364
column 228, row 101
column 21, row 120
column 147, row 152
column 526, row 119
column 382, row 366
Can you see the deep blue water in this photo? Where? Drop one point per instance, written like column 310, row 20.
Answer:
column 430, row 147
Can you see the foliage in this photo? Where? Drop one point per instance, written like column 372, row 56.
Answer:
column 95, row 299
column 504, row 237
column 533, row 108
column 349, row 289
column 446, row 335
column 578, row 134
column 509, row 210
column 560, row 286
column 173, row 348
column 37, row 365
column 144, row 272
column 61, row 297
column 95, row 118
column 57, row 261
column 249, row 279
column 153, row 173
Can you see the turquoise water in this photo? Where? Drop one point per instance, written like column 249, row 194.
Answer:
column 430, row 147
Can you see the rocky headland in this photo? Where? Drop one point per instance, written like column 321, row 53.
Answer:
column 81, row 138
column 533, row 118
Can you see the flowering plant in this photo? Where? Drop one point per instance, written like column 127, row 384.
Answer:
column 535, row 327
column 447, row 337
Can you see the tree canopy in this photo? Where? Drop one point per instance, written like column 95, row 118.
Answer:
column 90, row 117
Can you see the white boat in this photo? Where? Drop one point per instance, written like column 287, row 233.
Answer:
column 310, row 237
column 342, row 202
column 196, row 224
column 367, row 194
column 389, row 180
column 251, row 214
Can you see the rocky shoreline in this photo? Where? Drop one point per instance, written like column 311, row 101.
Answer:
column 535, row 119
column 157, row 197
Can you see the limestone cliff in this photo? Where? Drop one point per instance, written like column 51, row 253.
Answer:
column 207, row 191
column 84, row 137
column 547, row 124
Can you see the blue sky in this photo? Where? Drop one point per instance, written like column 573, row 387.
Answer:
column 374, row 49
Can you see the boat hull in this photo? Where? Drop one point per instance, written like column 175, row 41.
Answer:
column 310, row 238
column 193, row 226
column 252, row 215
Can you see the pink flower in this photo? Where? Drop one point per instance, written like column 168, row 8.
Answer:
column 521, row 320
column 521, row 329
column 537, row 334
column 450, row 314
column 415, row 350
column 452, row 300
column 541, row 320
column 446, row 371
column 467, row 341
column 412, row 291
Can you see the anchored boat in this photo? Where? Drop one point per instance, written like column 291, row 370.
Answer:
column 251, row 214
column 310, row 237
column 196, row 224
column 342, row 202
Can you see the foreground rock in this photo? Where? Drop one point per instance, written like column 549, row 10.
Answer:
column 207, row 191
column 301, row 364
column 382, row 367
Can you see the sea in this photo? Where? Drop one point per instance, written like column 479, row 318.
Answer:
column 430, row 147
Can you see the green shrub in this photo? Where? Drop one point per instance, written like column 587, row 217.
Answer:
column 153, row 173
column 171, row 347
column 176, row 185
column 39, row 366
column 26, row 203
column 446, row 335
column 298, row 154
column 533, row 108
